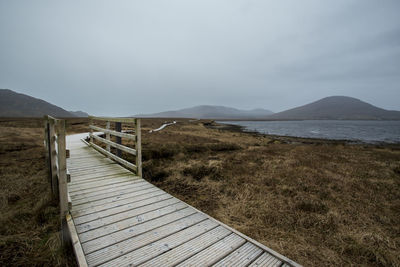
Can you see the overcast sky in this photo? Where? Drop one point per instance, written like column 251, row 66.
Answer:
column 128, row 57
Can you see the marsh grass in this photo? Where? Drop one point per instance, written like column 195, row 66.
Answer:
column 318, row 202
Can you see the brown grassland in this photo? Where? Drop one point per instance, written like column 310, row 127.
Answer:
column 317, row 202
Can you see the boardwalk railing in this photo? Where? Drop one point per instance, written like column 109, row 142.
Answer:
column 119, row 134
column 56, row 154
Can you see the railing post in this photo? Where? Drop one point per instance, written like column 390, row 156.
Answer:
column 91, row 130
column 138, row 147
column 62, row 178
column 47, row 147
column 118, row 139
column 53, row 157
column 108, row 136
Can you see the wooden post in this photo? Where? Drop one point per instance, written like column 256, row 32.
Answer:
column 118, row 128
column 62, row 179
column 138, row 147
column 53, row 157
column 108, row 136
column 91, row 130
column 47, row 147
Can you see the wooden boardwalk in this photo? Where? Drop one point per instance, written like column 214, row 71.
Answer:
column 119, row 219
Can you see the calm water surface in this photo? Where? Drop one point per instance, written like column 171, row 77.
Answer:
column 361, row 131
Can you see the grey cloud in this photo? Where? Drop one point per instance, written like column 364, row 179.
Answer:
column 148, row 56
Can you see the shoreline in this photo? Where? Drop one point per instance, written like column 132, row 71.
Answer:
column 295, row 139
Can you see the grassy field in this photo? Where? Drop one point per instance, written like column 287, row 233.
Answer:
column 316, row 202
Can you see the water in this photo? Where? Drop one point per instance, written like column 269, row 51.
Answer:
column 359, row 131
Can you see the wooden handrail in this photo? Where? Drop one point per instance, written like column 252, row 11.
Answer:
column 118, row 144
column 112, row 132
column 123, row 148
column 125, row 120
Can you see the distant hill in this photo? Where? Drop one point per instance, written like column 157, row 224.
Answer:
column 13, row 104
column 337, row 108
column 211, row 112
column 79, row 113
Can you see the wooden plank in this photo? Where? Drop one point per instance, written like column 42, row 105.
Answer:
column 163, row 252
column 76, row 244
column 93, row 184
column 109, row 190
column 125, row 247
column 78, row 183
column 53, row 157
column 138, row 146
column 100, row 189
column 94, row 169
column 99, row 212
column 120, row 221
column 94, row 176
column 146, row 193
column 119, row 160
column 112, row 132
column 241, row 257
column 118, row 201
column 266, row 259
column 112, row 119
column 108, row 148
column 130, row 232
column 129, row 222
column 112, row 194
column 215, row 252
column 97, row 163
column 118, row 146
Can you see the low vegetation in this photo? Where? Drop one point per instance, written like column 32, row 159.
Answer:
column 29, row 221
column 316, row 202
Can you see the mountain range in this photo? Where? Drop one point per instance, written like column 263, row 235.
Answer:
column 13, row 104
column 214, row 112
column 336, row 108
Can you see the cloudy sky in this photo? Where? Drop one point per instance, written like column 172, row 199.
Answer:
column 127, row 57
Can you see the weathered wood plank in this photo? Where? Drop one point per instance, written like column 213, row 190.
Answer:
column 138, row 146
column 77, row 187
column 175, row 248
column 137, row 219
column 130, row 232
column 118, row 159
column 114, row 208
column 112, row 132
column 194, row 224
column 241, row 257
column 113, row 119
column 115, row 194
column 118, row 220
column 76, row 244
column 109, row 190
column 215, row 252
column 139, row 194
column 79, row 182
column 100, row 189
column 266, row 259
column 118, row 146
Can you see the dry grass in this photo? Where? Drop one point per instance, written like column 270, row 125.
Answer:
column 317, row 202
column 29, row 221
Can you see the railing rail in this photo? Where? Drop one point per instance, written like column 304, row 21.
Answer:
column 56, row 159
column 118, row 134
